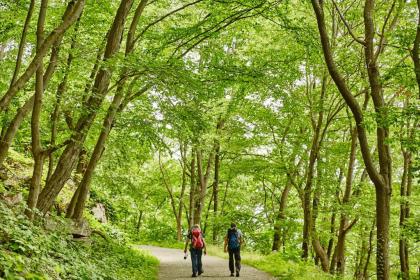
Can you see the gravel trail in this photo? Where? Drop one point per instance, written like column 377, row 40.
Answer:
column 173, row 266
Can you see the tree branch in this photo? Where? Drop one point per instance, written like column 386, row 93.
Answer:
column 360, row 41
column 345, row 93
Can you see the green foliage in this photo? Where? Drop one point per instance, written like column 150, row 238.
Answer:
column 283, row 267
column 242, row 75
column 28, row 251
column 279, row 264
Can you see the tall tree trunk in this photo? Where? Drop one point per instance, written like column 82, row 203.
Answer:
column 22, row 42
column 315, row 146
column 193, row 186
column 72, row 203
column 9, row 132
column 382, row 187
column 70, row 16
column 331, row 241
column 361, row 272
column 404, row 214
column 318, row 248
column 381, row 179
column 407, row 133
column 107, row 124
column 19, row 56
column 216, row 191
column 415, row 51
column 202, row 182
column 206, row 219
column 183, row 149
column 59, row 93
column 339, row 254
column 67, row 160
column 96, row 155
column 279, row 224
column 369, row 253
column 37, row 151
column 176, row 211
column 80, row 170
column 138, row 225
column 219, row 126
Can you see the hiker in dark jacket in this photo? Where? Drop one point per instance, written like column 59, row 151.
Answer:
column 197, row 246
column 233, row 241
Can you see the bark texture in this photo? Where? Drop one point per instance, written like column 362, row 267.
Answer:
column 382, row 178
column 68, row 158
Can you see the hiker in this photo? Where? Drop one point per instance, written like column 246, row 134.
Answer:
column 197, row 246
column 233, row 241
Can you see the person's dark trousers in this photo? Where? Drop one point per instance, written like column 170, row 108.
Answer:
column 197, row 266
column 235, row 254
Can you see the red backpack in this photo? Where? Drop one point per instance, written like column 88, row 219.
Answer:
column 197, row 241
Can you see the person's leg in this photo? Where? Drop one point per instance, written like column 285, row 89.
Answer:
column 231, row 266
column 237, row 255
column 194, row 260
column 199, row 264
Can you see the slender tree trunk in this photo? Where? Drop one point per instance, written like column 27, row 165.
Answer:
column 20, row 53
column 369, row 253
column 177, row 212
column 9, row 133
column 331, row 241
column 405, row 189
column 183, row 149
column 72, row 204
column 382, row 179
column 382, row 186
column 69, row 18
column 222, row 210
column 207, row 213
column 361, row 254
column 203, row 182
column 219, row 126
column 37, row 151
column 22, row 42
column 80, row 169
column 315, row 146
column 13, row 127
column 96, row 155
column 415, row 51
column 139, row 222
column 60, row 91
column 339, row 255
column 67, row 160
column 107, row 124
column 216, row 191
column 193, row 185
column 279, row 224
column 200, row 193
column 320, row 252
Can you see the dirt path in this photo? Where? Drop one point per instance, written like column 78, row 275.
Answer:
column 173, row 266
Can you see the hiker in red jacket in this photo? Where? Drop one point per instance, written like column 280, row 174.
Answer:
column 197, row 246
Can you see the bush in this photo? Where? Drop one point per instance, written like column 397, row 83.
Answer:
column 28, row 251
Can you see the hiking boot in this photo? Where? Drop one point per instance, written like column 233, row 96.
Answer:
column 237, row 273
column 231, row 274
column 194, row 275
column 200, row 272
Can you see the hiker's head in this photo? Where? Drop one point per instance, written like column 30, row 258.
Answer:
column 232, row 225
column 196, row 226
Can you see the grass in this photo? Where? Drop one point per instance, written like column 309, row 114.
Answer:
column 276, row 264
